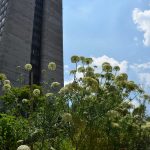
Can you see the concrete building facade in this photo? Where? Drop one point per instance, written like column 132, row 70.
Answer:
column 31, row 32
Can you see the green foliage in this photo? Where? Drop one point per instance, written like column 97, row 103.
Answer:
column 12, row 129
column 95, row 111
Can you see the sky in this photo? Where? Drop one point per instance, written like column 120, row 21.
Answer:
column 117, row 31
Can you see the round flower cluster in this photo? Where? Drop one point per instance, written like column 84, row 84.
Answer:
column 23, row 147
column 52, row 66
column 49, row 94
column 28, row 67
column 67, row 117
column 6, row 87
column 2, row 77
column 55, row 84
column 36, row 92
column 6, row 82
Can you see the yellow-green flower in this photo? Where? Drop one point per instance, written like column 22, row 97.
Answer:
column 25, row 100
column 49, row 94
column 52, row 66
column 23, row 147
column 28, row 67
column 6, row 82
column 36, row 92
column 6, row 87
column 2, row 77
column 67, row 117
column 55, row 84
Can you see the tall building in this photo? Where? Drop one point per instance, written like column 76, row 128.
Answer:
column 31, row 32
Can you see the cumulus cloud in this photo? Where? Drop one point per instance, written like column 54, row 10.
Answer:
column 122, row 64
column 142, row 20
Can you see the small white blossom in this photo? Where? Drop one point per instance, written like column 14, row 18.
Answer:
column 67, row 117
column 49, row 94
column 6, row 82
column 28, row 67
column 55, row 84
column 36, row 92
column 52, row 66
column 2, row 77
column 25, row 101
column 6, row 87
column 23, row 147
column 63, row 90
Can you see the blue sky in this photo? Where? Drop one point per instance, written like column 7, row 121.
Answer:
column 113, row 30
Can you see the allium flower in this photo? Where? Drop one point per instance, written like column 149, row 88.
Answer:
column 49, row 94
column 67, row 117
column 36, row 92
column 63, row 90
column 52, row 66
column 75, row 59
column 115, row 125
column 6, row 82
column 6, row 87
column 2, row 77
column 23, row 147
column 28, row 67
column 106, row 67
column 25, row 101
column 55, row 84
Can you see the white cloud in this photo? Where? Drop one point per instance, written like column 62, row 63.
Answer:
column 145, row 79
column 143, row 73
column 142, row 20
column 122, row 64
column 140, row 67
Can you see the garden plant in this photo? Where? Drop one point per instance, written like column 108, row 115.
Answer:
column 101, row 109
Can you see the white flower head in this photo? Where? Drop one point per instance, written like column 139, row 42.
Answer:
column 25, row 100
column 23, row 147
column 67, row 117
column 36, row 92
column 55, row 84
column 6, row 87
column 2, row 77
column 28, row 67
column 52, row 66
column 63, row 90
column 49, row 94
column 6, row 82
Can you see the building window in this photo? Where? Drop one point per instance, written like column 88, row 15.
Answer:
column 36, row 40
